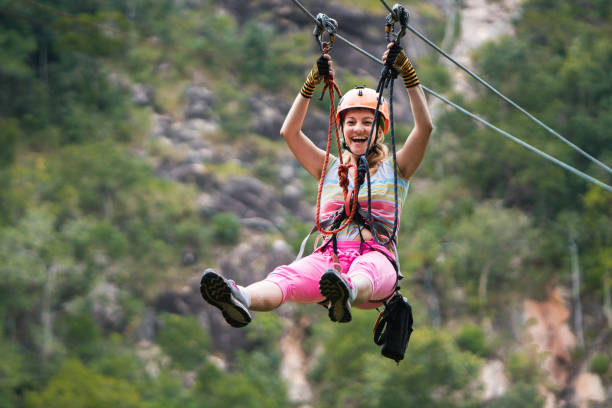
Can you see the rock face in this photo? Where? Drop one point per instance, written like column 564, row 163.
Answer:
column 142, row 95
column 269, row 116
column 588, row 389
column 294, row 363
column 494, row 379
column 481, row 21
column 106, row 306
column 187, row 301
column 199, row 102
column 551, row 334
column 248, row 197
column 254, row 258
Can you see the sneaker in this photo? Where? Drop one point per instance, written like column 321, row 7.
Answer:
column 339, row 294
column 224, row 294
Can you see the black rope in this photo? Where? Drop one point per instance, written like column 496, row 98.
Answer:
column 387, row 79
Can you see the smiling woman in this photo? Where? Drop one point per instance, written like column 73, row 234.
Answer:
column 351, row 268
column 356, row 114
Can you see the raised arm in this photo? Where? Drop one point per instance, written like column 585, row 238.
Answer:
column 410, row 156
column 308, row 154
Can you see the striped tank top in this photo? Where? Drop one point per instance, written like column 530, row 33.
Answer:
column 383, row 200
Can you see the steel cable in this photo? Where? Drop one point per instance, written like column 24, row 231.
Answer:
column 473, row 116
column 454, row 105
column 505, row 98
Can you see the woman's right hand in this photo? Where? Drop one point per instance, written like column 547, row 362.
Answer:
column 323, row 68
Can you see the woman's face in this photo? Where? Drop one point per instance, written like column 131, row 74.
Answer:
column 356, row 129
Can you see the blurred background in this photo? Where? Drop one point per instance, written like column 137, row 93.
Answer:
column 139, row 144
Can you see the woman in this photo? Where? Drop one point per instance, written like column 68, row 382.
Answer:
column 359, row 272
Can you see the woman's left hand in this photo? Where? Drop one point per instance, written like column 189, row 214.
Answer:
column 386, row 54
column 394, row 57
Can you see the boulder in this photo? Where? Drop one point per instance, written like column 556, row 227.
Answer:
column 551, row 334
column 258, row 224
column 494, row 379
column 199, row 103
column 248, row 197
column 191, row 131
column 161, row 126
column 254, row 258
column 269, row 113
column 142, row 95
column 588, row 388
column 106, row 308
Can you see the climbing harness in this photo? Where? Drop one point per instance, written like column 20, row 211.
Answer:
column 351, row 211
column 343, row 218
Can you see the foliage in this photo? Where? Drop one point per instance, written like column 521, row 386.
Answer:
column 600, row 364
column 245, row 390
column 12, row 373
column 183, row 339
column 80, row 335
column 524, row 366
column 522, row 394
column 74, row 385
column 226, row 228
column 472, row 338
column 433, row 373
column 560, row 80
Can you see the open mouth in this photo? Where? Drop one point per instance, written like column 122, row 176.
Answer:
column 359, row 140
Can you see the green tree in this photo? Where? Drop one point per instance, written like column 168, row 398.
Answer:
column 76, row 386
column 490, row 250
column 226, row 228
column 12, row 373
column 245, row 390
column 37, row 271
column 519, row 395
column 437, row 374
column 184, row 340
column 351, row 371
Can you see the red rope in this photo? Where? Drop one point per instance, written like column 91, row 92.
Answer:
column 343, row 169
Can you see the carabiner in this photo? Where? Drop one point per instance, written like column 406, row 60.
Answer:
column 324, row 25
column 398, row 15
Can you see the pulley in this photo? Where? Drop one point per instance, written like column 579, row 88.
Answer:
column 398, row 16
column 324, row 25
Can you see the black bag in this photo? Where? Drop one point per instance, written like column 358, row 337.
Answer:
column 393, row 328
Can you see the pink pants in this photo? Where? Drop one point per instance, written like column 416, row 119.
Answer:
column 299, row 281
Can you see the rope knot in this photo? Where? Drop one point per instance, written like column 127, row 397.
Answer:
column 362, row 170
column 343, row 178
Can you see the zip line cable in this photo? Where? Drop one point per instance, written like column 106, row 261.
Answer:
column 473, row 116
column 522, row 143
column 347, row 42
column 505, row 98
column 379, row 61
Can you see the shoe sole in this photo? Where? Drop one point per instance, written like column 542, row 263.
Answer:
column 216, row 291
column 334, row 289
